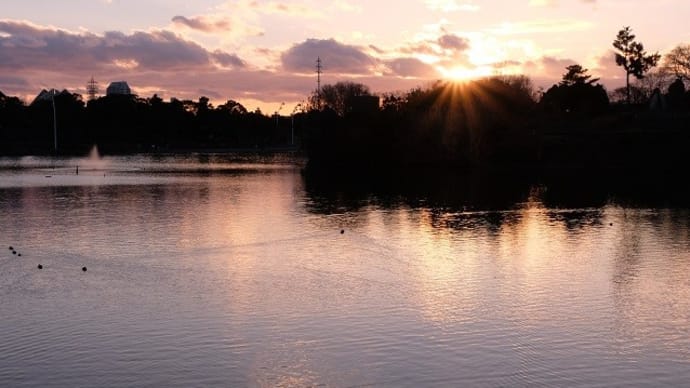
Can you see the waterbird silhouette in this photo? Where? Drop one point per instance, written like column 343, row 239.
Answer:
column 11, row 248
column 342, row 231
column 40, row 266
column 83, row 269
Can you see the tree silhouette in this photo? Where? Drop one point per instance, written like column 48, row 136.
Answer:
column 233, row 107
column 340, row 97
column 657, row 79
column 676, row 94
column 577, row 75
column 520, row 83
column 577, row 94
column 632, row 57
column 677, row 61
column 638, row 95
column 12, row 116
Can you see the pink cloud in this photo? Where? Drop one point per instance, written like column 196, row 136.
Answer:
column 453, row 42
column 411, row 67
column 335, row 56
column 26, row 46
column 202, row 24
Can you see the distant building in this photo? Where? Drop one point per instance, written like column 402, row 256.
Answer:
column 47, row 95
column 118, row 88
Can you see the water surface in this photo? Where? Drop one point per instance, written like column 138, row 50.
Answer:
column 227, row 271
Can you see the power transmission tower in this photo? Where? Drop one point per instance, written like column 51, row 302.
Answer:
column 92, row 89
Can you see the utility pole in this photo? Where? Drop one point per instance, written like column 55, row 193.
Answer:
column 318, row 82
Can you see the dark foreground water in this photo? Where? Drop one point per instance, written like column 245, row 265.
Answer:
column 210, row 271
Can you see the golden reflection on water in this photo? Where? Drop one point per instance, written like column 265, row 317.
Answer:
column 443, row 271
column 298, row 303
column 542, row 268
column 651, row 292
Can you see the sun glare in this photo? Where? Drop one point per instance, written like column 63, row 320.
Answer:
column 465, row 74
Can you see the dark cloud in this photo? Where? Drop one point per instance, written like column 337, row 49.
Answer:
column 608, row 61
column 548, row 67
column 336, row 57
column 607, row 68
column 453, row 42
column 158, row 49
column 263, row 51
column 377, row 49
column 27, row 46
column 227, row 59
column 429, row 48
column 209, row 93
column 447, row 42
column 550, row 62
column 411, row 67
column 547, row 71
column 201, row 24
column 10, row 80
column 504, row 64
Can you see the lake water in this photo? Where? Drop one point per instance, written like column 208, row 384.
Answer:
column 222, row 271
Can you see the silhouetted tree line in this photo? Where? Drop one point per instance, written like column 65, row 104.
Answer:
column 446, row 123
column 496, row 121
column 127, row 123
column 502, row 121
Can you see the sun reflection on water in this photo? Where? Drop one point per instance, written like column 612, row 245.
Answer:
column 257, row 278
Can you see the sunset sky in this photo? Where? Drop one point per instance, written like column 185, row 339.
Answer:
column 263, row 53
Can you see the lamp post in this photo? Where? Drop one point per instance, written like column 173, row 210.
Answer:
column 292, row 124
column 55, row 144
column 277, row 114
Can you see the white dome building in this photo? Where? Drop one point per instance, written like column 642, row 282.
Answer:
column 118, row 87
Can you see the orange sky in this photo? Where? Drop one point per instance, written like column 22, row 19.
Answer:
column 262, row 53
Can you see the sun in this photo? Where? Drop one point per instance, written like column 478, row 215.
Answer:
column 461, row 73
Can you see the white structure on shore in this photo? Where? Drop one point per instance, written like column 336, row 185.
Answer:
column 118, row 87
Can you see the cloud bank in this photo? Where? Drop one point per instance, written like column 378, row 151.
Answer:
column 27, row 46
column 171, row 64
column 338, row 57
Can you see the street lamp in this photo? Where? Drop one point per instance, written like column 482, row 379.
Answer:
column 277, row 113
column 292, row 124
column 55, row 144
